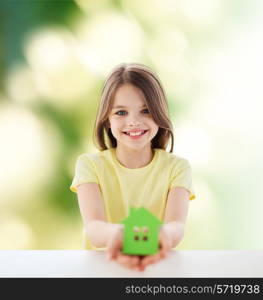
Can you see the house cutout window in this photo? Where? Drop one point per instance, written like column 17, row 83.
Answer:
column 145, row 231
column 136, row 230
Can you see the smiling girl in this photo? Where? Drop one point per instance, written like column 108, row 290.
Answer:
column 132, row 168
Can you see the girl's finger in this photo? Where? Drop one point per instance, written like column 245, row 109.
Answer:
column 126, row 260
column 149, row 259
column 115, row 243
column 113, row 249
column 135, row 261
column 165, row 244
column 164, row 250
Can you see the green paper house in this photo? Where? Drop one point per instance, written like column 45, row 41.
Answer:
column 141, row 231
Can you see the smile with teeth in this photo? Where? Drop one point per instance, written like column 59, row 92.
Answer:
column 136, row 133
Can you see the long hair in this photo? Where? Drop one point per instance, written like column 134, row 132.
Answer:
column 147, row 81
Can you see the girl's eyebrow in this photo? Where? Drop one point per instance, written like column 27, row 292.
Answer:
column 122, row 106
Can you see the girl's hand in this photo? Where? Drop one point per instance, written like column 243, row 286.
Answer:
column 138, row 263
column 114, row 247
column 114, row 244
column 165, row 243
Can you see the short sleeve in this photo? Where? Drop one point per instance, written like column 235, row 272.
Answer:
column 181, row 177
column 84, row 172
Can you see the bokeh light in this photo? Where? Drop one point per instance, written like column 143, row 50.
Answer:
column 28, row 151
column 15, row 233
column 21, row 84
column 120, row 40
column 60, row 76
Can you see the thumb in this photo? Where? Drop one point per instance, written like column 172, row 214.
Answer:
column 165, row 243
column 115, row 243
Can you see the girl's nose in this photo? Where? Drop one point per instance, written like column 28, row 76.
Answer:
column 134, row 120
column 134, row 123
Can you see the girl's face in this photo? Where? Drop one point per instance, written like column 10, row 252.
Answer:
column 130, row 121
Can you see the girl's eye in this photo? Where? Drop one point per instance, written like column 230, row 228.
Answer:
column 146, row 111
column 121, row 112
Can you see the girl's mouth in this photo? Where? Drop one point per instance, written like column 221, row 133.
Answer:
column 135, row 135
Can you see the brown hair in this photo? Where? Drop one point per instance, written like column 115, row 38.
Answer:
column 143, row 78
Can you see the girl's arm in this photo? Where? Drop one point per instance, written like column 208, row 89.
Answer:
column 92, row 212
column 171, row 233
column 100, row 232
column 176, row 214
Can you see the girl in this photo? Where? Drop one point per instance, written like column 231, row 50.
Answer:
column 133, row 168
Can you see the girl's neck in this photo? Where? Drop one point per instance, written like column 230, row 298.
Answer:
column 134, row 159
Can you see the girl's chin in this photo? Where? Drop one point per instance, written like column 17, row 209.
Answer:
column 133, row 145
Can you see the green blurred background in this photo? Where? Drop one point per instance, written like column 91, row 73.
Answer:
column 54, row 56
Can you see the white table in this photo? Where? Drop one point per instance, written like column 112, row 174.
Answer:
column 85, row 263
